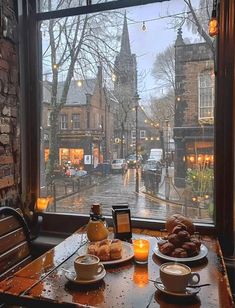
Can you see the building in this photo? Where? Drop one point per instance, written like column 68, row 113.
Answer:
column 194, row 110
column 124, row 99
column 84, row 123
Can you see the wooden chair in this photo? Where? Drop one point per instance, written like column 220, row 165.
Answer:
column 14, row 241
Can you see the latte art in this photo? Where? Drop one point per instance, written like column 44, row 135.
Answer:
column 175, row 269
column 87, row 260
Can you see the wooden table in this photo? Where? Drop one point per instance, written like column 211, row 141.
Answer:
column 42, row 282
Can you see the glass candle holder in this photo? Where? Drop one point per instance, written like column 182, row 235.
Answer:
column 141, row 250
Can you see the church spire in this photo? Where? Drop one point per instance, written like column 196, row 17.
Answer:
column 179, row 40
column 125, row 44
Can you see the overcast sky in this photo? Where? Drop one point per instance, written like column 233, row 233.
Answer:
column 158, row 36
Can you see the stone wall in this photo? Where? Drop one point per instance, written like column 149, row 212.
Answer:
column 9, row 120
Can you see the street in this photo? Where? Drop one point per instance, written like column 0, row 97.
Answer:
column 118, row 188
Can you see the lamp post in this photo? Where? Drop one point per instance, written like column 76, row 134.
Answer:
column 136, row 142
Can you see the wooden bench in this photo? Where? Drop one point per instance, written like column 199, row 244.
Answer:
column 14, row 241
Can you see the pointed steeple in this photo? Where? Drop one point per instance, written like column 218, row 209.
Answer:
column 179, row 40
column 125, row 44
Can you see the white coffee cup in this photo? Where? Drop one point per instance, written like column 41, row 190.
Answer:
column 176, row 276
column 87, row 267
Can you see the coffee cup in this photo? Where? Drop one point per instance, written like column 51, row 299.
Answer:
column 176, row 276
column 87, row 267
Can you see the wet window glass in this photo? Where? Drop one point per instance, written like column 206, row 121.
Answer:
column 128, row 111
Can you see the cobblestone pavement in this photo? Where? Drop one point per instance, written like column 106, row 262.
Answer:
column 119, row 189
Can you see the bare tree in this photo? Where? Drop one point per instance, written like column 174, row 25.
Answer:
column 163, row 109
column 73, row 47
column 197, row 19
column 164, row 68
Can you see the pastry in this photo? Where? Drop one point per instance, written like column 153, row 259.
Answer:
column 115, row 250
column 174, row 239
column 179, row 253
column 103, row 252
column 167, row 248
column 106, row 250
column 178, row 219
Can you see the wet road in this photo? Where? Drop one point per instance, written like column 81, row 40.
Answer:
column 117, row 189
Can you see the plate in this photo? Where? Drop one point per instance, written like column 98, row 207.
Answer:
column 188, row 292
column 127, row 254
column 202, row 254
column 71, row 276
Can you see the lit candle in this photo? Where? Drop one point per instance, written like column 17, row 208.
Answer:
column 42, row 204
column 141, row 250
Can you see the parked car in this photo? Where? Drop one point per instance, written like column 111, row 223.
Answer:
column 119, row 165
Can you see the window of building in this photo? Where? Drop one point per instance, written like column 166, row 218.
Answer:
column 142, row 134
column 189, row 163
column 76, row 121
column 206, row 95
column 133, row 134
column 63, row 121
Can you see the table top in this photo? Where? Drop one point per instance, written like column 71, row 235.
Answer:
column 126, row 284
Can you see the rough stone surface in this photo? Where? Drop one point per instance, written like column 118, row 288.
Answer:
column 9, row 121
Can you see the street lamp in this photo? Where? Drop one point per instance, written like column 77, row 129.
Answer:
column 136, row 98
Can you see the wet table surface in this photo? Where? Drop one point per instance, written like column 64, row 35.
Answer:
column 43, row 282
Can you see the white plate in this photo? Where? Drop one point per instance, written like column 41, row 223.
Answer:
column 188, row 292
column 127, row 254
column 71, row 276
column 202, row 254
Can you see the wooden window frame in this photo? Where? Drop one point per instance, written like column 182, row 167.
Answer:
column 29, row 21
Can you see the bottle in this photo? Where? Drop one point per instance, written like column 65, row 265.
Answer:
column 96, row 228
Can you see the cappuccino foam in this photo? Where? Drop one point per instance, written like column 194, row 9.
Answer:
column 175, row 269
column 87, row 260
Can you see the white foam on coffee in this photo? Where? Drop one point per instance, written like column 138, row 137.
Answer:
column 175, row 269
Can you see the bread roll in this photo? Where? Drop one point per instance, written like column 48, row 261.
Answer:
column 178, row 219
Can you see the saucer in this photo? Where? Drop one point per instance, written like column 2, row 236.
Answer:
column 187, row 293
column 71, row 276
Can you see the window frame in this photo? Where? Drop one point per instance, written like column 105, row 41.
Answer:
column 63, row 121
column 78, row 121
column 210, row 104
column 224, row 113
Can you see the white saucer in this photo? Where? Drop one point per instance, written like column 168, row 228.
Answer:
column 188, row 292
column 71, row 276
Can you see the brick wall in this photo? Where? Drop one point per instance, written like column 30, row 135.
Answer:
column 9, row 124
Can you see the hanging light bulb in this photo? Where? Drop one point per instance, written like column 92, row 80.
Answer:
column 79, row 83
column 113, row 77
column 144, row 28
column 213, row 23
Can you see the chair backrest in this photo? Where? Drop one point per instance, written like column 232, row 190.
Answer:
column 14, row 241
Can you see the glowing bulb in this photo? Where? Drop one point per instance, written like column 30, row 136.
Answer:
column 144, row 28
column 213, row 27
column 55, row 66
column 113, row 77
column 79, row 83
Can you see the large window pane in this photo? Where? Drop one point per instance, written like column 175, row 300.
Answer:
column 134, row 84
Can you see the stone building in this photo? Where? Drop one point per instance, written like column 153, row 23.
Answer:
column 85, row 123
column 194, row 110
column 124, row 99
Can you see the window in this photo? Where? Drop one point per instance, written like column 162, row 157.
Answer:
column 63, row 121
column 142, row 134
column 133, row 134
column 206, row 95
column 185, row 149
column 76, row 121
